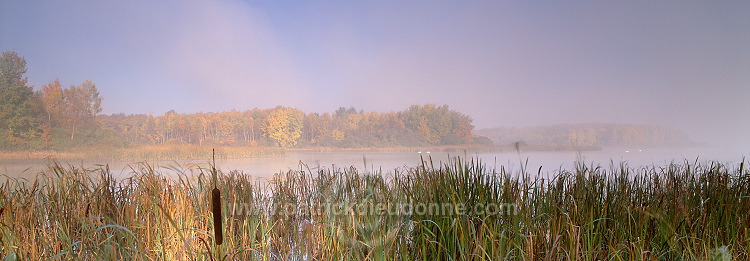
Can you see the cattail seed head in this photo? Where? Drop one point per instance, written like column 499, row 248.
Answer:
column 216, row 207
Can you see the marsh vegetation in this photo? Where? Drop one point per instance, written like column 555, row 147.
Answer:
column 680, row 211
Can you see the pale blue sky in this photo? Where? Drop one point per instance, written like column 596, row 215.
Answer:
column 683, row 64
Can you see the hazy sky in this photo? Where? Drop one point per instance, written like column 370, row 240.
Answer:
column 683, row 64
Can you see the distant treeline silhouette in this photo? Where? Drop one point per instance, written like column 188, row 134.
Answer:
column 589, row 134
column 289, row 127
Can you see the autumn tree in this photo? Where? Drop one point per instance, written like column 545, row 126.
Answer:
column 53, row 101
column 82, row 104
column 462, row 129
column 284, row 126
column 51, row 97
column 20, row 123
column 436, row 125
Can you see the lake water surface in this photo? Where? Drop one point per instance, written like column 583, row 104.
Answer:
column 550, row 161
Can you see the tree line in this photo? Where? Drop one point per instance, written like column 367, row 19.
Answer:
column 56, row 118
column 592, row 134
column 418, row 125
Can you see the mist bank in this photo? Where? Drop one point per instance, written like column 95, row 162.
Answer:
column 57, row 118
column 590, row 134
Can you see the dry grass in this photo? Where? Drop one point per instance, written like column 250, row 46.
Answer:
column 141, row 153
column 26, row 155
column 678, row 212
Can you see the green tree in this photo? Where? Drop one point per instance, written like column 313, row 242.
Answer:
column 20, row 122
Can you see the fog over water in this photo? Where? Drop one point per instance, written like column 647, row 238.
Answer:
column 386, row 162
column 680, row 64
column 683, row 65
column 550, row 161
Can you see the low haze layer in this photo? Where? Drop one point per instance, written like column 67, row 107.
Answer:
column 680, row 64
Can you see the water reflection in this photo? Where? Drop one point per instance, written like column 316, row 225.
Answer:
column 549, row 161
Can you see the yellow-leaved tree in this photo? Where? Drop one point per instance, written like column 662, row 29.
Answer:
column 284, row 125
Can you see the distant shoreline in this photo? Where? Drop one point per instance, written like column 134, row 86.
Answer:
column 175, row 152
column 454, row 148
column 196, row 152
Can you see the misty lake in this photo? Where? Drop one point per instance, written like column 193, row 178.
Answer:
column 550, row 161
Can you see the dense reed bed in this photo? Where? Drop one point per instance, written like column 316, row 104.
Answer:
column 459, row 210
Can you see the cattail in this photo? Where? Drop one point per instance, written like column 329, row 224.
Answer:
column 216, row 206
column 216, row 203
